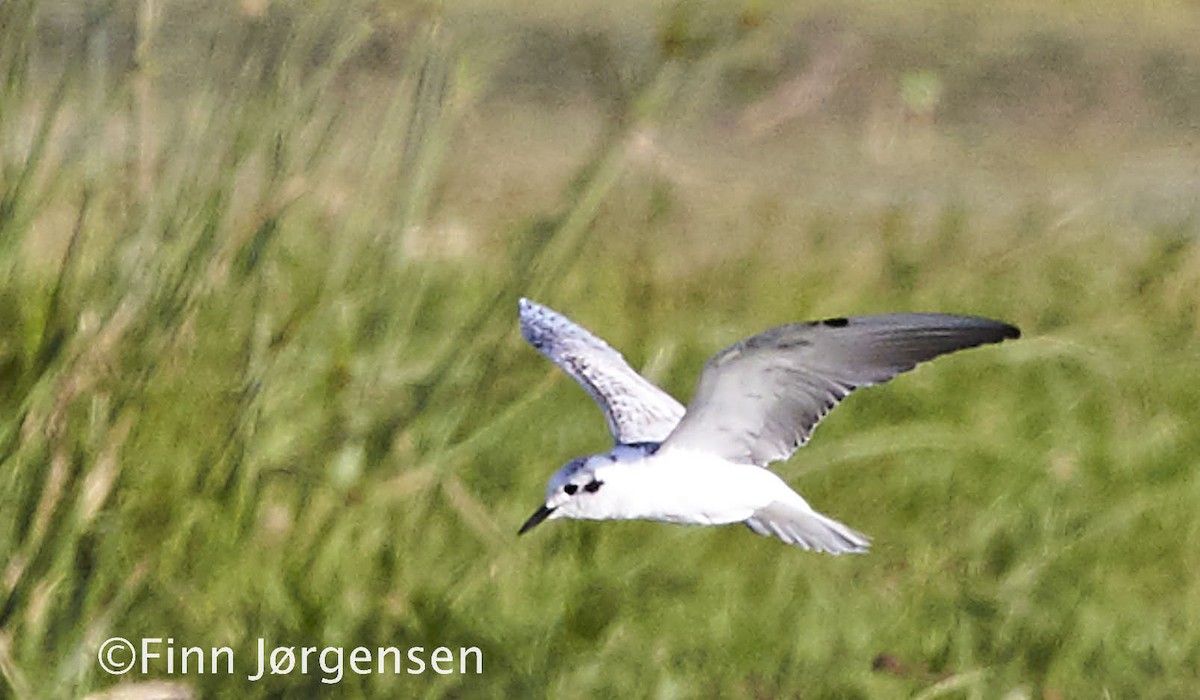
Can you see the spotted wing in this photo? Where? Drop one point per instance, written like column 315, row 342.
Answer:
column 760, row 399
column 636, row 410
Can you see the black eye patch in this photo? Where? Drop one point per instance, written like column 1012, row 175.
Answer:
column 570, row 489
column 593, row 486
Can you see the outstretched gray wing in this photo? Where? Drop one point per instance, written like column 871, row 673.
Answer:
column 759, row 400
column 636, row 410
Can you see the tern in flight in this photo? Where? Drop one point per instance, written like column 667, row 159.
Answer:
column 757, row 402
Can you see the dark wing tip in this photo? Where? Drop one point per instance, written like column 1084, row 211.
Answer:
column 990, row 330
column 998, row 331
column 987, row 330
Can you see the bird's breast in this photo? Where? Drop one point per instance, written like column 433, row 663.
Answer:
column 682, row 487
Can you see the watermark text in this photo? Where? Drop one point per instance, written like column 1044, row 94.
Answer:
column 163, row 655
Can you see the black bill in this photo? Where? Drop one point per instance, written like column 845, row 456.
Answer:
column 540, row 515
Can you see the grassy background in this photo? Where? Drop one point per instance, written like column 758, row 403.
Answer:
column 261, row 373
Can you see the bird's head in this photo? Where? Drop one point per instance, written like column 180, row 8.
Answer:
column 573, row 492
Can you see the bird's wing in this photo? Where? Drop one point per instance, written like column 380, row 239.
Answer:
column 759, row 400
column 636, row 410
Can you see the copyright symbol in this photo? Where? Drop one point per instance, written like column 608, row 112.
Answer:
column 116, row 655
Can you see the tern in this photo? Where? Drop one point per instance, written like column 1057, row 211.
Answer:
column 756, row 402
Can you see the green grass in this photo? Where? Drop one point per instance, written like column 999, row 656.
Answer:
column 262, row 375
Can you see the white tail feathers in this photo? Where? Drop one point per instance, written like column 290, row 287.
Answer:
column 807, row 529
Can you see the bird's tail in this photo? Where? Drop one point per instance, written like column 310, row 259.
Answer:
column 808, row 529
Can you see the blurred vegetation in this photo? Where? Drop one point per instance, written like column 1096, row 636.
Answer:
column 262, row 376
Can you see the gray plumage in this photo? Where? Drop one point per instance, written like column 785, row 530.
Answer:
column 636, row 410
column 758, row 400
